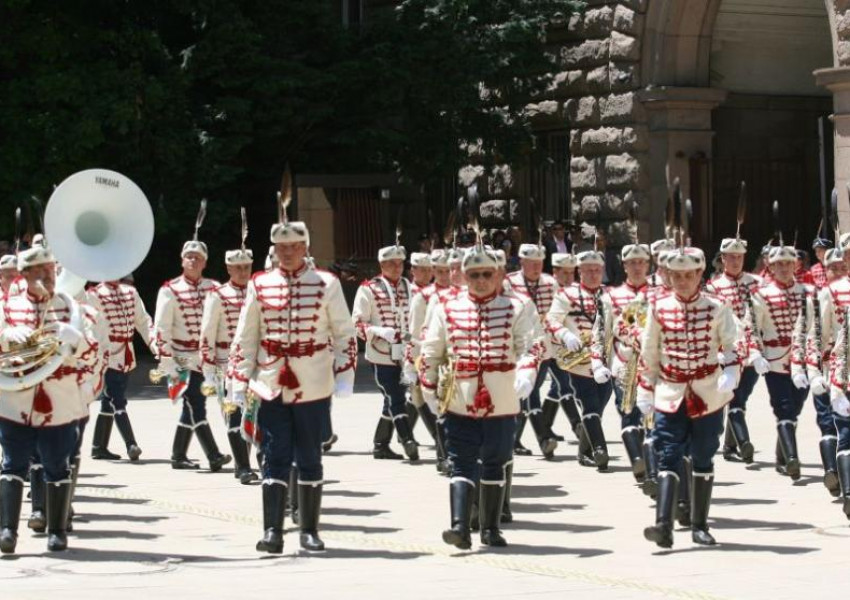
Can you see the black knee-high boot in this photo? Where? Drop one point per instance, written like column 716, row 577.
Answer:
column 182, row 439
column 596, row 437
column 58, row 505
column 242, row 466
column 668, row 490
column 125, row 428
column 550, row 411
column 460, row 501
column 700, row 504
column 787, row 434
column 205, row 437
column 310, row 503
column 507, row 514
column 519, row 449
column 633, row 443
column 11, row 497
column 100, row 438
column 828, row 451
column 274, row 499
column 490, row 503
column 383, row 437
column 650, row 482
column 38, row 518
column 683, row 511
column 737, row 423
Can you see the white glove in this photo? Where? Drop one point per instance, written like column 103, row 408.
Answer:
column 644, row 400
column 344, row 384
column 800, row 380
column 840, row 404
column 210, row 377
column 571, row 341
column 761, row 365
column 524, row 383
column 726, row 382
column 169, row 368
column 819, row 386
column 602, row 375
column 409, row 376
column 17, row 334
column 238, row 398
column 385, row 333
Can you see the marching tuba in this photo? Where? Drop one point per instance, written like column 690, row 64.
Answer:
column 99, row 226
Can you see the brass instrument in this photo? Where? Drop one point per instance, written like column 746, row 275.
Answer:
column 633, row 315
column 567, row 360
column 157, row 375
column 217, row 389
column 446, row 389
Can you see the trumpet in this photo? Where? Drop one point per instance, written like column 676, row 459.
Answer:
column 568, row 360
column 217, row 389
column 445, row 385
column 157, row 375
column 633, row 315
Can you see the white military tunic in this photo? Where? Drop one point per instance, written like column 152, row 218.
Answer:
column 381, row 303
column 489, row 340
column 294, row 336
column 124, row 313
column 541, row 293
column 574, row 309
column 63, row 397
column 218, row 325
column 777, row 309
column 177, row 322
column 684, row 348
column 614, row 301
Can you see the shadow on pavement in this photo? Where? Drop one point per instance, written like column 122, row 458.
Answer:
column 84, row 498
column 567, row 527
column 538, row 507
column 724, row 523
column 537, row 491
column 122, row 518
column 526, row 550
column 349, row 494
column 741, row 501
column 364, row 553
column 360, row 528
column 91, row 534
column 732, row 547
column 353, row 512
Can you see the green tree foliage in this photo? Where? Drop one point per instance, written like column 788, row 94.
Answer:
column 210, row 98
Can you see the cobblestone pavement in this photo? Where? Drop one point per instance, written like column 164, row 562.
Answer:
column 192, row 534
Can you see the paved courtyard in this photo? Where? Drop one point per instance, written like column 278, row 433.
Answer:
column 192, row 534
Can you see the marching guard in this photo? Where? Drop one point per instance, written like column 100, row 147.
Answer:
column 735, row 287
column 439, row 260
column 380, row 314
column 177, row 334
column 570, row 322
column 613, row 331
column 293, row 348
column 532, row 284
column 218, row 324
column 778, row 303
column 42, row 417
column 560, row 390
column 120, row 305
column 8, row 274
column 421, row 272
column 689, row 369
column 483, row 342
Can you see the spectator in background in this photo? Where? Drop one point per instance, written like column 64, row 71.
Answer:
column 425, row 243
column 802, row 274
column 558, row 243
column 498, row 238
column 818, row 271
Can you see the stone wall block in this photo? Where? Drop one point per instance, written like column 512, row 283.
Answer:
column 844, row 53
column 624, row 47
column 469, row 174
column 624, row 76
column 598, row 21
column 624, row 170
column 587, row 173
column 627, row 20
column 589, row 53
column 501, row 181
column 499, row 212
column 582, row 111
column 568, row 83
column 621, row 108
column 842, row 25
column 597, row 80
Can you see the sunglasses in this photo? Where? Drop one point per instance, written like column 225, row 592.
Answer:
column 480, row 275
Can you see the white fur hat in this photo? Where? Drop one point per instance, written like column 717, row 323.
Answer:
column 501, row 258
column 479, row 258
column 564, row 260
column 733, row 246
column 8, row 261
column 194, row 246
column 663, row 257
column 832, row 256
column 391, row 253
column 31, row 257
column 239, row 257
column 780, row 253
column 439, row 258
column 420, row 259
column 686, row 260
column 455, row 256
column 631, row 251
column 590, row 257
column 532, row 252
column 662, row 245
column 290, row 232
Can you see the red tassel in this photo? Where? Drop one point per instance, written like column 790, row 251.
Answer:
column 694, row 405
column 287, row 379
column 128, row 355
column 483, row 400
column 42, row 403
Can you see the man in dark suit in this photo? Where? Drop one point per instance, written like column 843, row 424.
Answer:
column 560, row 242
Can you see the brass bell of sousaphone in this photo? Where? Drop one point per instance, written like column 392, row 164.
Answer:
column 100, row 227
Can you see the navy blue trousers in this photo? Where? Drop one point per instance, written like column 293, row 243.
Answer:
column 561, row 386
column 634, row 418
column 677, row 435
column 113, row 396
column 532, row 403
column 490, row 441
column 592, row 396
column 53, row 445
column 786, row 399
column 388, row 378
column 194, row 402
column 292, row 433
column 824, row 415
